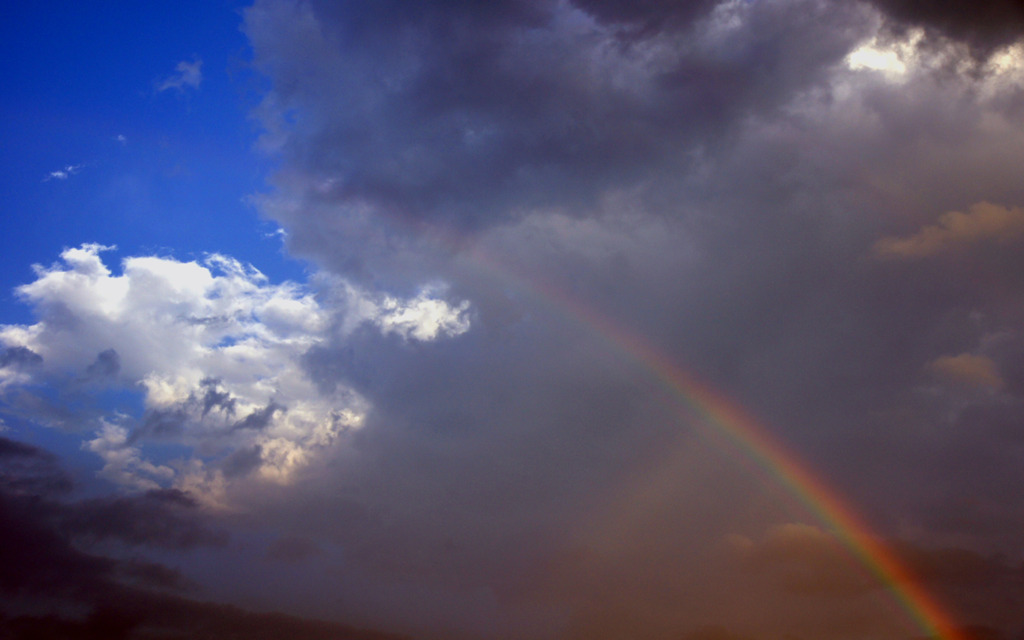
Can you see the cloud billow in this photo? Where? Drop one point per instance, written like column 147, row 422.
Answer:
column 213, row 348
column 449, row 430
column 397, row 120
column 721, row 178
column 982, row 27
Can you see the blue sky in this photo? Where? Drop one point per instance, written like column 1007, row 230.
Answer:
column 364, row 312
column 83, row 75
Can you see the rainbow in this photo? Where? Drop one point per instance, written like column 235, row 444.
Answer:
column 724, row 416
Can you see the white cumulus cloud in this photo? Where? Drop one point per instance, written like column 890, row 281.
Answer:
column 216, row 351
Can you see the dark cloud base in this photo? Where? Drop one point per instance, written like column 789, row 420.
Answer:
column 142, row 616
column 46, row 565
column 983, row 26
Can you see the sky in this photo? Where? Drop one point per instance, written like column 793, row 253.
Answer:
column 527, row 319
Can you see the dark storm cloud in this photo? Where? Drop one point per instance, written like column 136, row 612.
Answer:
column 459, row 483
column 153, row 575
column 812, row 562
column 48, row 568
column 983, row 26
column 977, row 463
column 160, row 518
column 714, row 178
column 140, row 615
column 38, row 557
column 452, row 115
column 28, row 470
column 37, row 560
column 34, row 484
column 292, row 549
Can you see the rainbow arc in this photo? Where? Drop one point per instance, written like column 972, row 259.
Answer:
column 713, row 410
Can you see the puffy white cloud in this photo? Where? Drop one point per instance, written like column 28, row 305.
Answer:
column 216, row 351
column 422, row 317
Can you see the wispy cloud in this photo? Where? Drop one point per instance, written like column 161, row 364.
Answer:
column 985, row 221
column 186, row 74
column 63, row 174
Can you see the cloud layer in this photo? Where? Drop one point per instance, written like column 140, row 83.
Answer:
column 723, row 179
column 813, row 206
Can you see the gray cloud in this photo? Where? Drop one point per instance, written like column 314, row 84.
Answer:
column 19, row 357
column 983, row 27
column 216, row 398
column 106, row 365
column 48, row 540
column 502, row 199
column 713, row 177
column 243, row 461
column 160, row 518
column 163, row 423
column 292, row 549
column 50, row 562
column 453, row 117
column 259, row 418
column 28, row 470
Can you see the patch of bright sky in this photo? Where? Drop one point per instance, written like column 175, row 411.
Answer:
column 92, row 151
column 1009, row 60
column 897, row 59
column 890, row 58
